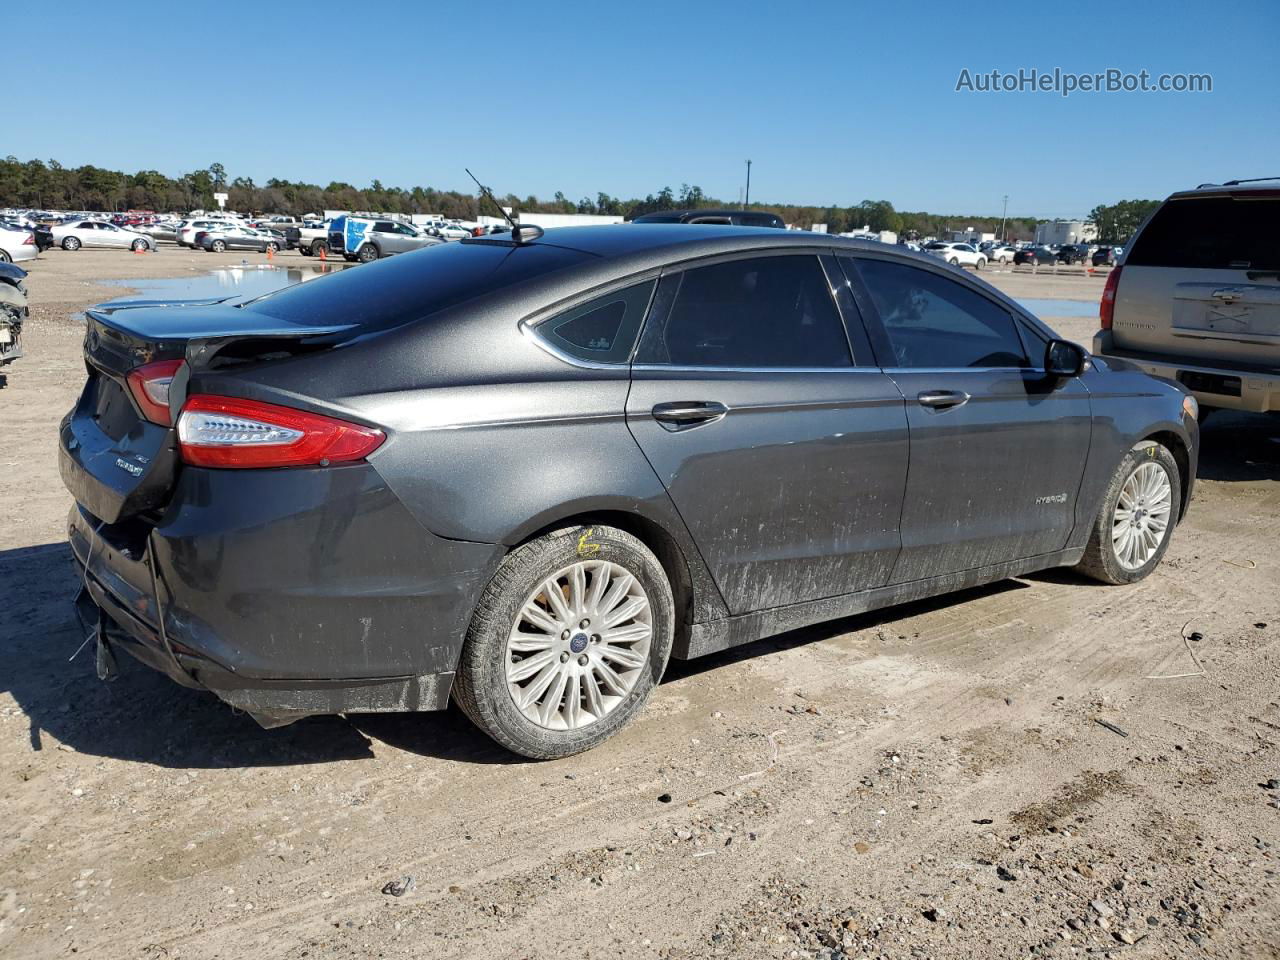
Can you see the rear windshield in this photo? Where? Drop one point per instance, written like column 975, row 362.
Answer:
column 387, row 293
column 1212, row 233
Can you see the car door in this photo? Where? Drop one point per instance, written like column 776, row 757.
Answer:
column 784, row 453
column 389, row 242
column 997, row 447
column 110, row 235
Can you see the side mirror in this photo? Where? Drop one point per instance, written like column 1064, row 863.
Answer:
column 1062, row 358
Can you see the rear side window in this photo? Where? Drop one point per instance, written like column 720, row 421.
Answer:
column 761, row 312
column 1211, row 233
column 602, row 330
column 933, row 321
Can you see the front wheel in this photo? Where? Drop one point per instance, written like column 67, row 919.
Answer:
column 318, row 248
column 979, row 264
column 368, row 253
column 567, row 642
column 217, row 246
column 71, row 243
column 954, row 262
column 273, row 248
column 139, row 245
column 1137, row 516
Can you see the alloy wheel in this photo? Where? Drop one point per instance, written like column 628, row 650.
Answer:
column 1142, row 516
column 579, row 645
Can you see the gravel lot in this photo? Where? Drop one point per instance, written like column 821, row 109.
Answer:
column 929, row 781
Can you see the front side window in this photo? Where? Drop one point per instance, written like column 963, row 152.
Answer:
column 933, row 321
column 602, row 330
column 773, row 312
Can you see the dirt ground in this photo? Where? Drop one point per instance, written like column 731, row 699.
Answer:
column 934, row 780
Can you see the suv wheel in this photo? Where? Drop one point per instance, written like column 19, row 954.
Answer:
column 1131, row 531
column 568, row 641
column 954, row 262
column 368, row 253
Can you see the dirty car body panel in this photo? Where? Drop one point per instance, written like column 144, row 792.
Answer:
column 776, row 490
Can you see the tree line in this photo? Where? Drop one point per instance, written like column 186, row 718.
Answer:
column 51, row 186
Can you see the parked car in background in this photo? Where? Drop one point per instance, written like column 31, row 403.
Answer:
column 957, row 254
column 99, row 233
column 1106, row 256
column 312, row 238
column 1035, row 256
column 737, row 218
column 1197, row 297
column 218, row 239
column 186, row 230
column 17, row 244
column 427, row 542
column 160, row 230
column 366, row 239
column 1000, row 253
column 1072, row 253
column 13, row 311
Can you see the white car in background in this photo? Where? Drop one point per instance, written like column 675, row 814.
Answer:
column 187, row 229
column 957, row 254
column 1000, row 253
column 16, row 244
column 75, row 234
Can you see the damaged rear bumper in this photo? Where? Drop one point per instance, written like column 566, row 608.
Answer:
column 278, row 609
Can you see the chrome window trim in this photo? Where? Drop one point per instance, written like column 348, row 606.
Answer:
column 668, row 367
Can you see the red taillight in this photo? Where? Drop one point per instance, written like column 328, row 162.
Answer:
column 30, row 241
column 149, row 385
column 233, row 432
column 1107, row 306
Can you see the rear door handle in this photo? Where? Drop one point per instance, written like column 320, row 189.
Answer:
column 942, row 399
column 682, row 414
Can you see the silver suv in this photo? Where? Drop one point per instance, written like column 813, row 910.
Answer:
column 1197, row 297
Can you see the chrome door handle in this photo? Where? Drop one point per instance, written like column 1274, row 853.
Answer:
column 942, row 399
column 681, row 414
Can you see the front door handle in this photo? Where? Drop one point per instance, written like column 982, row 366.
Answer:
column 942, row 399
column 682, row 414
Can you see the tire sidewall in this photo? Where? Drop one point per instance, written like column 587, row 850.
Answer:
column 1144, row 452
column 484, row 658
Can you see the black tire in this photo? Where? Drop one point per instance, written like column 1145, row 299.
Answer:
column 367, row 254
column 4, row 257
column 480, row 687
column 70, row 243
column 273, row 247
column 318, row 247
column 954, row 262
column 1099, row 560
column 139, row 245
column 979, row 264
column 217, row 246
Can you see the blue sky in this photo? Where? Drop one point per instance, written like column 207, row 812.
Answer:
column 833, row 102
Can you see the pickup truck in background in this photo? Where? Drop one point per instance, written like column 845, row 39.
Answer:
column 312, row 238
column 366, row 240
column 1196, row 297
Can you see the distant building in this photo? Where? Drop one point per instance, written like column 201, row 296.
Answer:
column 1065, row 231
column 969, row 235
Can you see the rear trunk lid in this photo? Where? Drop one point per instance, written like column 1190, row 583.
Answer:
column 116, row 462
column 1201, row 282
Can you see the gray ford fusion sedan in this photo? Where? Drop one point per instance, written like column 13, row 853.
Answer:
column 524, row 471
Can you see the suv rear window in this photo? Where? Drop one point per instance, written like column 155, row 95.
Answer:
column 1211, row 233
column 385, row 294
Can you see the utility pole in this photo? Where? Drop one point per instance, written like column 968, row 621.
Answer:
column 1004, row 210
column 747, row 201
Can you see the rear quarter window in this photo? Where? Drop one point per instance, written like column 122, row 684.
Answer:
column 1211, row 233
column 602, row 330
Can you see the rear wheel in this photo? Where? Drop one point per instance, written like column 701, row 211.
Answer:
column 979, row 264
column 1132, row 529
column 954, row 262
column 568, row 641
column 71, row 243
column 368, row 253
column 4, row 257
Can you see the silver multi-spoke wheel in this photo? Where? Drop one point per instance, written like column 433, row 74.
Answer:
column 579, row 645
column 1142, row 515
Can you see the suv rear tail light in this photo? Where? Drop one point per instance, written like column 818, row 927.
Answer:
column 233, row 432
column 149, row 385
column 1107, row 306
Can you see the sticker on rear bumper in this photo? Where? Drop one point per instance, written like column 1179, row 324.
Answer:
column 131, row 468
